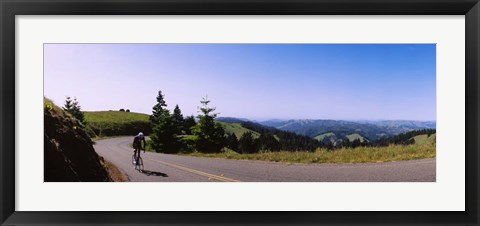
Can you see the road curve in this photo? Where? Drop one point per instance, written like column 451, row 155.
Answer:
column 163, row 167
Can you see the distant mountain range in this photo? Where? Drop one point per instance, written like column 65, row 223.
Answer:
column 339, row 129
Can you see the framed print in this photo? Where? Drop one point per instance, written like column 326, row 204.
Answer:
column 312, row 112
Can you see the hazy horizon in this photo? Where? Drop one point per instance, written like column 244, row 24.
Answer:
column 352, row 82
column 351, row 120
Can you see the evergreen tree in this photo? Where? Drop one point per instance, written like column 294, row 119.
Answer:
column 68, row 104
column 164, row 138
column 159, row 108
column 210, row 135
column 330, row 146
column 177, row 120
column 73, row 107
column 268, row 142
column 188, row 124
column 346, row 143
column 164, row 131
column 247, row 143
column 232, row 142
column 410, row 141
column 356, row 143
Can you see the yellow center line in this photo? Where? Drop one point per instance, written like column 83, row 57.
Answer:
column 220, row 178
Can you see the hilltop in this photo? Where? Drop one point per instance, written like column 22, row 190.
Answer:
column 237, row 129
column 336, row 131
column 117, row 123
column 339, row 129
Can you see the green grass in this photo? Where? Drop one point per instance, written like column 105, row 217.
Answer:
column 343, row 155
column 355, row 136
column 114, row 116
column 322, row 136
column 422, row 139
column 117, row 123
column 237, row 129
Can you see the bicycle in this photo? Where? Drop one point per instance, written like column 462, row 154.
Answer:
column 137, row 163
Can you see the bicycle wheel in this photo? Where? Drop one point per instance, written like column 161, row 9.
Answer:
column 140, row 164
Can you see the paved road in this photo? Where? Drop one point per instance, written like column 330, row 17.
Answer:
column 163, row 167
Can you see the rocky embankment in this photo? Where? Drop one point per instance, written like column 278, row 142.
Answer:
column 68, row 152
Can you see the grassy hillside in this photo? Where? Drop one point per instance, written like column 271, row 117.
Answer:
column 322, row 136
column 115, row 123
column 237, row 129
column 355, row 136
column 423, row 139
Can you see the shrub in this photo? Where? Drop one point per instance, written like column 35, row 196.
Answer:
column 90, row 132
column 189, row 142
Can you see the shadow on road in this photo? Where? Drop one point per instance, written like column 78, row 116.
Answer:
column 153, row 173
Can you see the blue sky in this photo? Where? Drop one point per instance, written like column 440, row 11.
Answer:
column 256, row 81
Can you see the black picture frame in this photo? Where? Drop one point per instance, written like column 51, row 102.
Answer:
column 10, row 8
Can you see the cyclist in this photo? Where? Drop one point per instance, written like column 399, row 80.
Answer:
column 137, row 145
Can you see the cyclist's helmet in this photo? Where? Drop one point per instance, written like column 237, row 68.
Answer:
column 140, row 135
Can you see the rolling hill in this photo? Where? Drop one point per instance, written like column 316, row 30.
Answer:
column 424, row 138
column 285, row 139
column 355, row 136
column 370, row 130
column 321, row 137
column 116, row 123
column 237, row 129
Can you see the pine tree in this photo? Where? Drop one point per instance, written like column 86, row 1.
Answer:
column 164, row 138
column 356, row 143
column 159, row 108
column 268, row 142
column 210, row 135
column 68, row 104
column 232, row 142
column 73, row 107
column 247, row 143
column 188, row 124
column 177, row 120
column 164, row 133
column 346, row 143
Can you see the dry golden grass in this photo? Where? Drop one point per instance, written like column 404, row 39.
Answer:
column 114, row 172
column 342, row 155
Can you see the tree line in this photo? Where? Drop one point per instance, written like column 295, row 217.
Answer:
column 399, row 139
column 174, row 133
column 404, row 138
column 272, row 139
